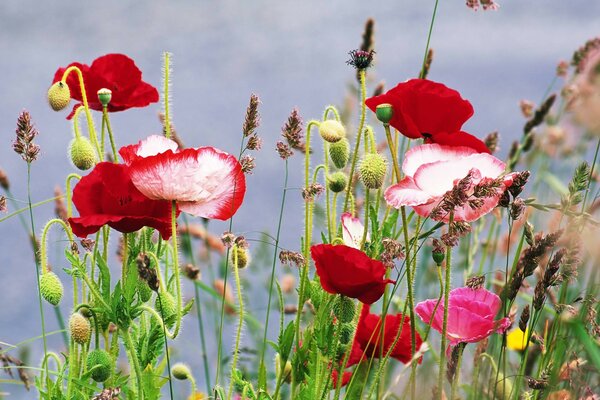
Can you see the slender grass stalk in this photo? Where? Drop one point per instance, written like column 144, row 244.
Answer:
column 445, row 320
column 435, row 7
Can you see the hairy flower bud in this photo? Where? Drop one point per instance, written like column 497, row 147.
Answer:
column 346, row 331
column 82, row 153
column 51, row 288
column 181, row 371
column 340, row 153
column 344, row 309
column 169, row 307
column 80, row 328
column 59, row 96
column 332, row 131
column 101, row 364
column 337, row 182
column 372, row 170
column 239, row 257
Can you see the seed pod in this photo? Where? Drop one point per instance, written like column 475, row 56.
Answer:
column 104, row 96
column 384, row 112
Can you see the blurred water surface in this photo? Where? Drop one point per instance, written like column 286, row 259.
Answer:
column 290, row 53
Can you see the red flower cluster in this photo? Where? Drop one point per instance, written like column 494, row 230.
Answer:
column 116, row 72
column 350, row 272
column 429, row 110
column 107, row 196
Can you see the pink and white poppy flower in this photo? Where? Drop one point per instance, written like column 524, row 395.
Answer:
column 205, row 181
column 352, row 231
column 431, row 170
column 471, row 314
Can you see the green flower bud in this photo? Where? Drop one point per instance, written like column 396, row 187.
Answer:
column 384, row 112
column 51, row 288
column 344, row 309
column 316, row 293
column 332, row 131
column 169, row 307
column 337, row 182
column 181, row 371
column 372, row 170
column 59, row 96
column 242, row 255
column 286, row 371
column 101, row 365
column 82, row 153
column 346, row 331
column 340, row 153
column 104, row 96
column 80, row 328
column 144, row 291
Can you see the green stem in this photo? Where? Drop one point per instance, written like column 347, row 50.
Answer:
column 428, row 39
column 238, row 334
column 106, row 120
column 167, row 77
column 176, row 273
column 130, row 347
column 445, row 321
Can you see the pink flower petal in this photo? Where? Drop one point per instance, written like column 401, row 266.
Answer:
column 406, row 193
column 352, row 231
column 428, row 153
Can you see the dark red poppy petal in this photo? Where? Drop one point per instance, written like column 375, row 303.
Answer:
column 460, row 138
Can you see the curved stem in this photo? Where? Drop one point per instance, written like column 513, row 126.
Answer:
column 43, row 251
column 69, row 193
column 333, row 110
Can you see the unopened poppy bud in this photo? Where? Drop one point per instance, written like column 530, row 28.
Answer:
column 104, row 96
column 437, row 253
column 504, row 387
column 332, row 131
column 337, row 182
column 372, row 170
column 169, row 307
column 316, row 294
column 346, row 331
column 344, row 309
column 59, row 96
column 239, row 257
column 82, row 153
column 286, row 371
column 51, row 288
column 101, row 365
column 144, row 291
column 384, row 112
column 340, row 153
column 181, row 371
column 80, row 328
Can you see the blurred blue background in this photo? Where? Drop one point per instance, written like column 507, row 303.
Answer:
column 292, row 54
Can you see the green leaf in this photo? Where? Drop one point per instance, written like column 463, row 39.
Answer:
column 285, row 342
column 104, row 277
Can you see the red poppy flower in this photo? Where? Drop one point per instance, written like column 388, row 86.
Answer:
column 457, row 139
column 205, row 182
column 107, row 196
column 367, row 341
column 350, row 272
column 116, row 72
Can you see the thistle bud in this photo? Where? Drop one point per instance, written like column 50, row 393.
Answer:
column 340, row 153
column 82, row 153
column 59, row 95
column 181, row 371
column 101, row 364
column 344, row 309
column 239, row 257
column 104, row 96
column 332, row 131
column 80, row 328
column 384, row 113
column 337, row 182
column 372, row 170
column 51, row 288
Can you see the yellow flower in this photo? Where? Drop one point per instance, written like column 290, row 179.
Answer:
column 516, row 339
column 197, row 396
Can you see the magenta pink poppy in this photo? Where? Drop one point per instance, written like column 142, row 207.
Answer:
column 471, row 315
column 431, row 170
column 205, row 182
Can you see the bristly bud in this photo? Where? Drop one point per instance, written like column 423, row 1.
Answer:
column 146, row 272
column 427, row 65
column 80, row 328
column 3, row 204
column 540, row 114
column 4, row 182
column 344, row 309
column 346, row 331
column 239, row 257
column 340, row 153
column 82, row 153
column 292, row 131
column 337, row 182
column 491, row 141
column 26, row 132
column 384, row 113
column 372, row 170
column 254, row 143
column 524, row 320
column 291, row 257
column 104, row 96
column 181, row 371
column 392, row 250
column 516, row 208
column 526, row 108
column 360, row 59
column 169, row 307
column 101, row 364
column 191, row 272
column 332, row 131
column 519, row 182
column 252, row 120
column 312, row 191
column 51, row 288
column 247, row 163
column 476, row 282
column 438, row 252
column 59, row 96
column 284, row 150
